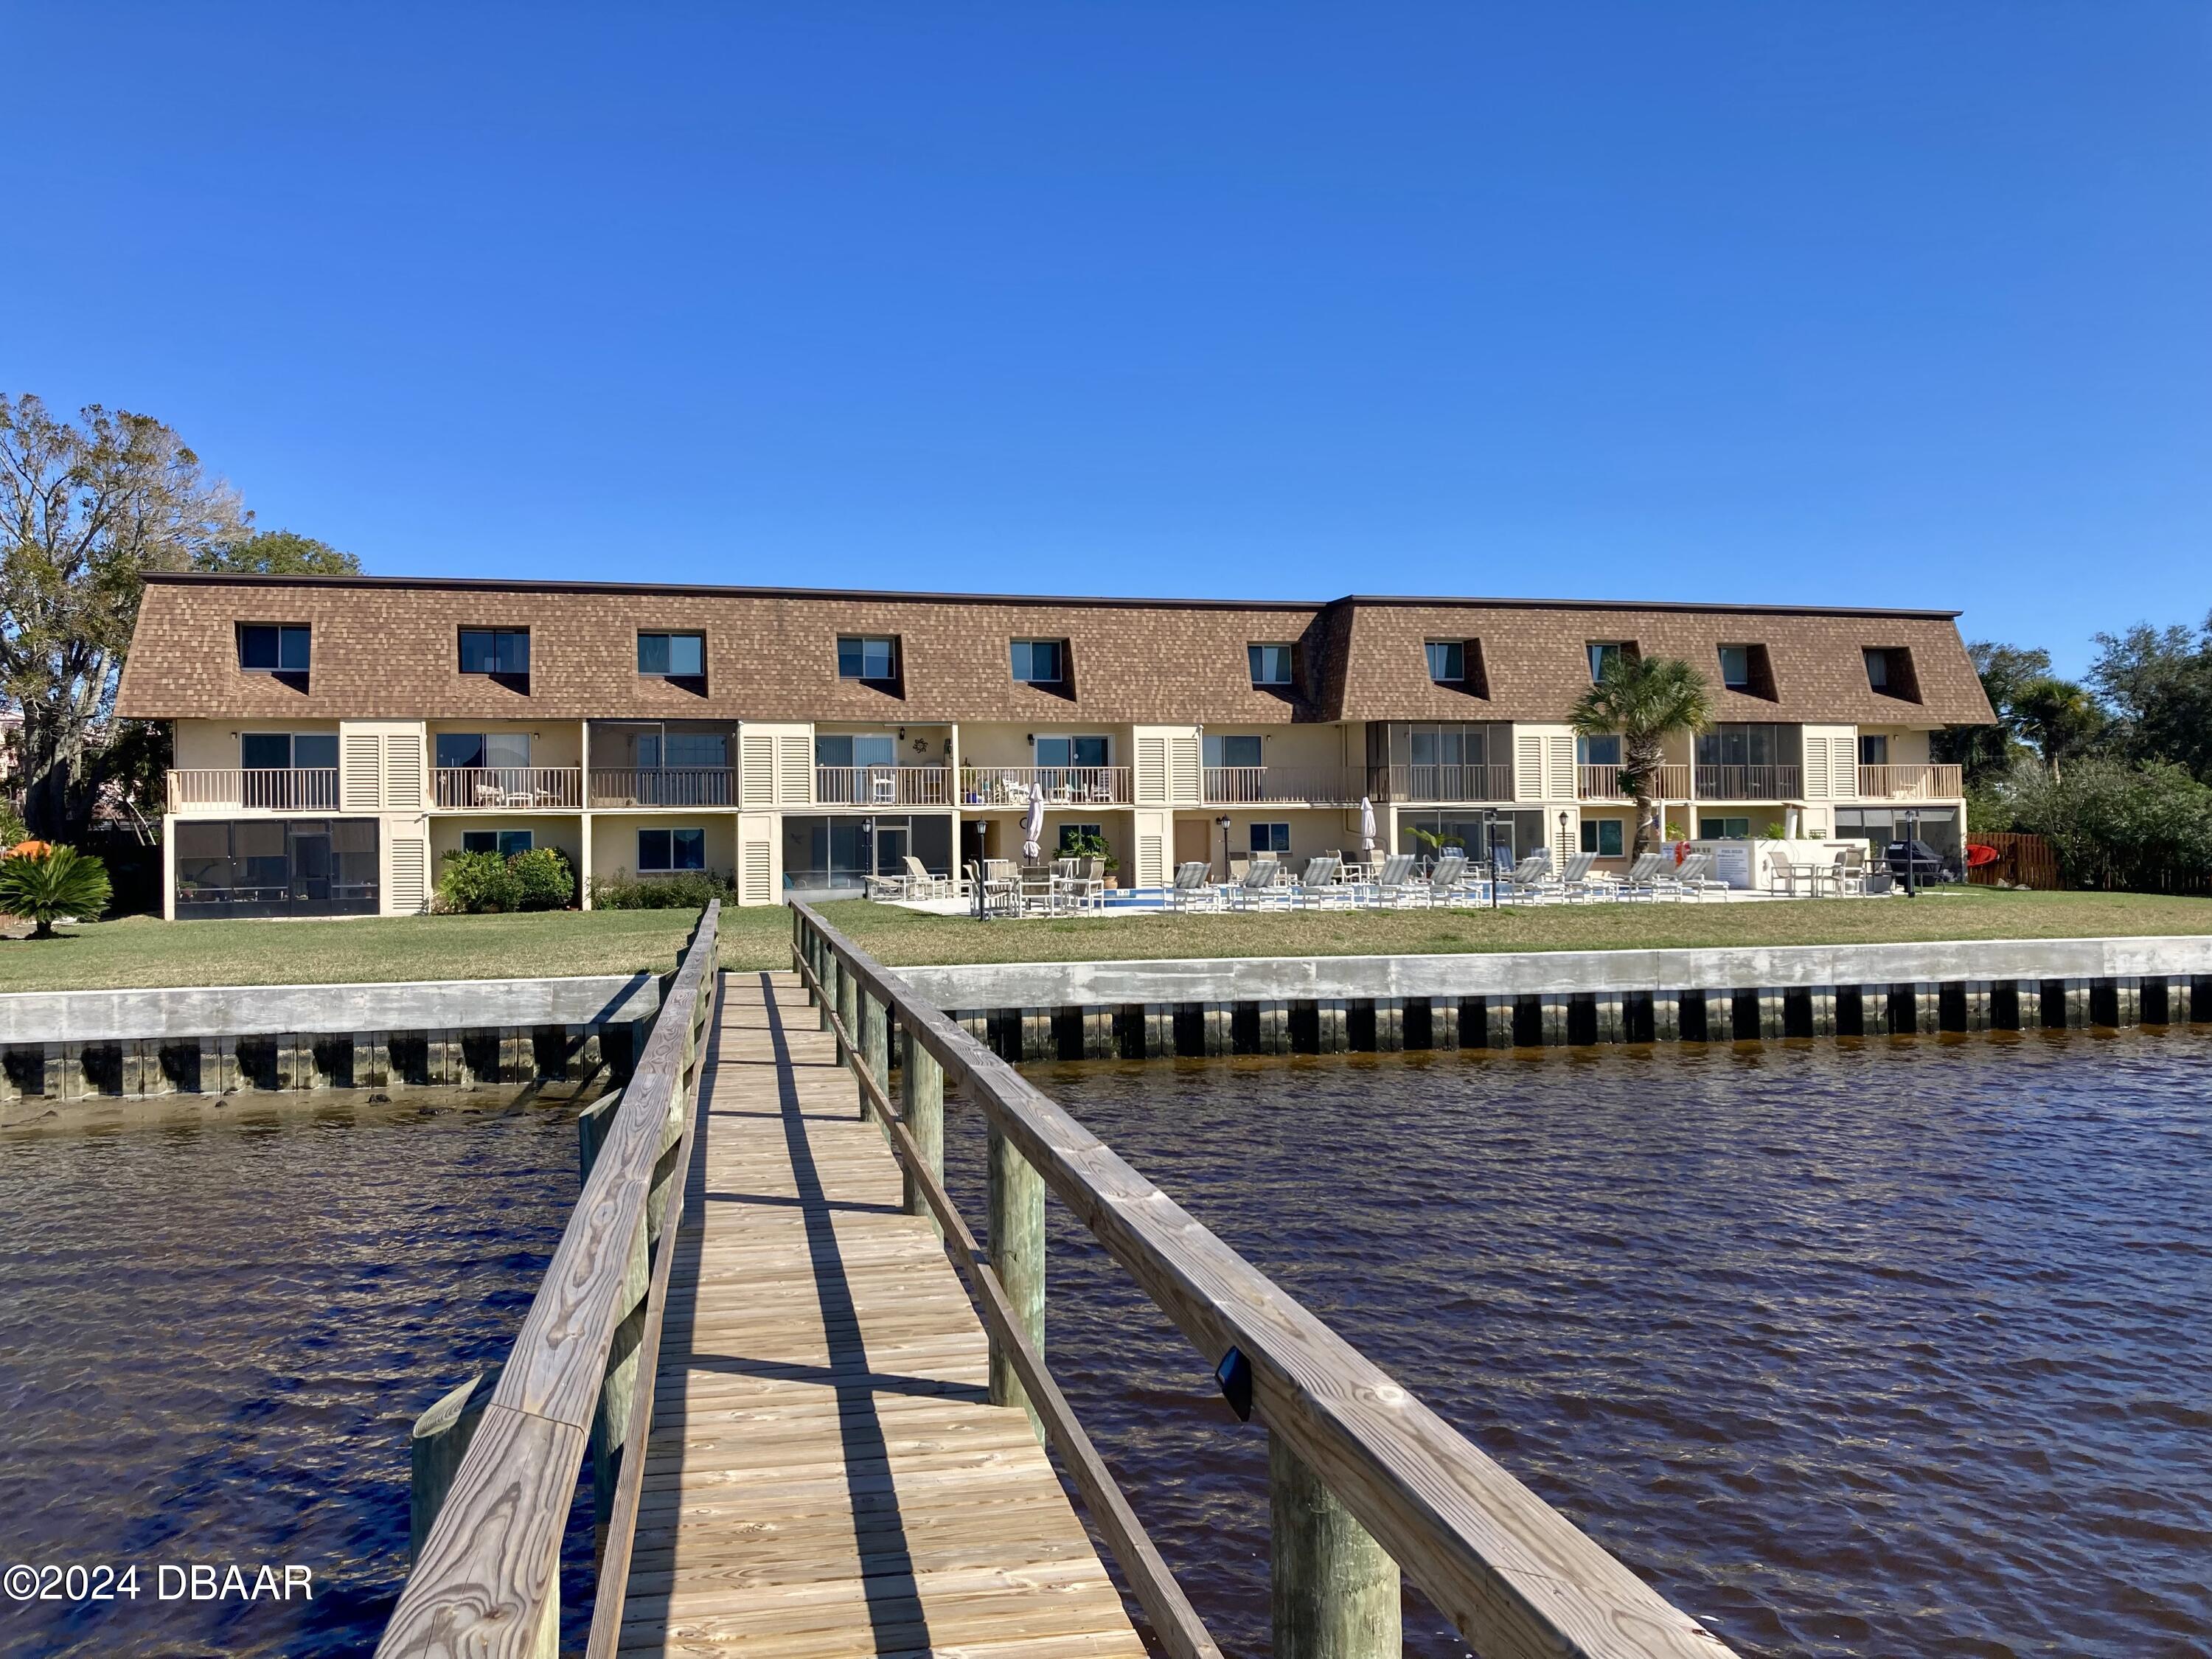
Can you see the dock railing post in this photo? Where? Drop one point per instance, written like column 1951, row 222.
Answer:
column 825, row 970
column 1334, row 1590
column 848, row 1009
column 922, row 1102
column 440, row 1440
column 874, row 1037
column 1017, row 1224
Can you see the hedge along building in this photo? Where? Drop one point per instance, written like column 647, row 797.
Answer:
column 337, row 737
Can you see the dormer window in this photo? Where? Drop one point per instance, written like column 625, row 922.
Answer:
column 1271, row 663
column 866, row 657
column 1602, row 652
column 1040, row 662
column 1735, row 667
column 1447, row 661
column 500, row 652
column 1890, row 672
column 273, row 648
column 672, row 656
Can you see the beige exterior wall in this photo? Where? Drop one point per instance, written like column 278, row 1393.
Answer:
column 552, row 743
column 546, row 829
column 614, row 840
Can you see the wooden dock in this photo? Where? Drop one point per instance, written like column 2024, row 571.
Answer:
column 825, row 1474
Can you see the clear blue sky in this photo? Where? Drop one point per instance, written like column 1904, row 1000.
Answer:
column 1781, row 302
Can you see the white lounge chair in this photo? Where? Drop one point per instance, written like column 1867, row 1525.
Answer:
column 1526, row 880
column 1445, row 882
column 1259, row 885
column 1395, row 885
column 1318, row 884
column 1193, row 888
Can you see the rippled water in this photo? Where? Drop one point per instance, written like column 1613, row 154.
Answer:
column 216, row 1334
column 1898, row 1349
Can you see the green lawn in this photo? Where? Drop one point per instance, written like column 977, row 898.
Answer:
column 140, row 952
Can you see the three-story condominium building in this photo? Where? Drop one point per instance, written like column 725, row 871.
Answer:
column 337, row 737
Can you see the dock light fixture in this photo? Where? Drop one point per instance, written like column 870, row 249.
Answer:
column 1234, row 1374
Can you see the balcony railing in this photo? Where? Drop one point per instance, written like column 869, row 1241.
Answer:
column 1603, row 783
column 290, row 789
column 1252, row 785
column 1749, row 782
column 1911, row 783
column 508, row 789
column 1060, row 786
column 674, row 786
column 1441, row 783
column 882, row 785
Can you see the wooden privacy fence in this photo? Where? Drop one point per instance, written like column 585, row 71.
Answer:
column 2023, row 861
column 496, row 1462
column 1364, row 1480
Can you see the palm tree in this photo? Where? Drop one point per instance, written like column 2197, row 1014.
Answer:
column 2056, row 716
column 1645, row 701
column 50, row 883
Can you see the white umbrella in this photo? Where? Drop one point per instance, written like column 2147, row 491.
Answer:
column 1033, row 828
column 1366, row 828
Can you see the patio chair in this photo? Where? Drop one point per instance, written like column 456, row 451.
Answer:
column 1083, row 885
column 1319, row 884
column 1691, row 878
column 1395, row 885
column 1193, row 887
column 1001, row 889
column 1637, row 884
column 1445, row 882
column 1528, row 880
column 1574, row 882
column 1258, row 886
column 921, row 885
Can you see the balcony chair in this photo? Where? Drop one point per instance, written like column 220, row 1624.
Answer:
column 882, row 785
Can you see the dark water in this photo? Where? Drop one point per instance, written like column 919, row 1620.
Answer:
column 1892, row 1350
column 214, row 1336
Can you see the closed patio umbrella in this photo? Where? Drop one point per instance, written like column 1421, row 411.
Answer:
column 1033, row 828
column 1366, row 829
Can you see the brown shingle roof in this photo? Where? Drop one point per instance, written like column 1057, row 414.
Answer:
column 385, row 647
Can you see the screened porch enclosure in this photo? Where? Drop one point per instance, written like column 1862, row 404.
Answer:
column 825, row 854
column 276, row 867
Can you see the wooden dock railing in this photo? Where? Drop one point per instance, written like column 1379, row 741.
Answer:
column 496, row 1462
column 1364, row 1480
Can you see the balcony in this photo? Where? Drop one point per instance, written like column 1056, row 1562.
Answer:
column 1262, row 785
column 1603, row 783
column 678, row 786
column 292, row 789
column 1910, row 783
column 882, row 785
column 1750, row 783
column 1440, row 783
column 508, row 788
column 1059, row 786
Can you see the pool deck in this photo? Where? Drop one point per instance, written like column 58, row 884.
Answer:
column 825, row 1475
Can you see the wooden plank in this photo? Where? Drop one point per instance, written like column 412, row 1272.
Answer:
column 822, row 1473
column 1515, row 1576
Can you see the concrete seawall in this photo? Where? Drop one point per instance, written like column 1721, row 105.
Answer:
column 57, row 1046
column 1534, row 999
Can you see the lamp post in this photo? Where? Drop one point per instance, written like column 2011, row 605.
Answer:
column 1563, row 838
column 1223, row 821
column 1489, row 845
column 1911, row 851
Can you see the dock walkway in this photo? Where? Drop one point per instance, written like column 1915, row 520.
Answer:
column 825, row 1475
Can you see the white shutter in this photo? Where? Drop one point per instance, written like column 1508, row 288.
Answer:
column 756, row 769
column 1152, row 868
column 1151, row 770
column 794, row 769
column 753, row 874
column 1527, row 765
column 409, row 891
column 361, row 772
column 1182, row 780
column 1559, row 768
column 1816, row 767
column 1844, row 760
column 403, row 771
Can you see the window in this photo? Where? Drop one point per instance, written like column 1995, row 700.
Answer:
column 856, row 749
column 1070, row 751
column 1040, row 662
column 1597, row 751
column 1877, row 667
column 467, row 749
column 505, row 842
column 866, row 658
column 1873, row 749
column 1233, row 751
column 671, row 850
column 1271, row 663
column 1747, row 744
column 494, row 651
column 282, row 752
column 1271, row 837
column 273, row 648
column 1447, row 661
column 1602, row 837
column 680, row 751
column 1074, row 838
column 673, row 656
column 1723, row 828
column 1735, row 667
column 1602, row 652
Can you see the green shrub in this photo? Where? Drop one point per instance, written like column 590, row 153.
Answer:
column 542, row 879
column 470, row 884
column 684, row 892
column 51, row 886
column 12, row 828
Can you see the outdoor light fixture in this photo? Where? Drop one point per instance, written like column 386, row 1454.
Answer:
column 1911, row 851
column 1225, row 821
column 1563, row 838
